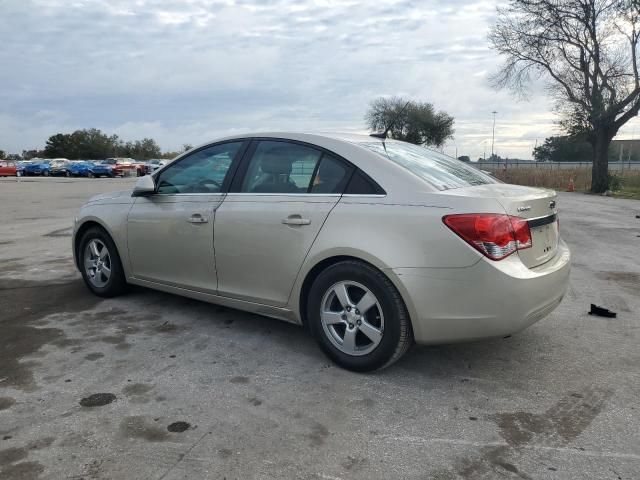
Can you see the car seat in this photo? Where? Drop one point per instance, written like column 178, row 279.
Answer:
column 276, row 180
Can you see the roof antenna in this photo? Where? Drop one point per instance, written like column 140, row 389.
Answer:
column 383, row 135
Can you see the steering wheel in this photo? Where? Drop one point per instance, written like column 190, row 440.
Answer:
column 205, row 184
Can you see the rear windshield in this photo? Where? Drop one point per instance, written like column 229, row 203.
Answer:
column 439, row 170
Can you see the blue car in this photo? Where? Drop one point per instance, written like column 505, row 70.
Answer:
column 102, row 169
column 80, row 169
column 20, row 168
column 37, row 167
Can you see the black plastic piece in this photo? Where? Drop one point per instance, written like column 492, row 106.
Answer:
column 602, row 312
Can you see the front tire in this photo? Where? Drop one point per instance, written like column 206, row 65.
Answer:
column 45, row 173
column 358, row 317
column 100, row 264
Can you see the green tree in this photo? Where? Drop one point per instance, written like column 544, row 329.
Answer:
column 58, row 146
column 140, row 149
column 564, row 148
column 3, row 154
column 185, row 148
column 418, row 123
column 93, row 144
column 587, row 52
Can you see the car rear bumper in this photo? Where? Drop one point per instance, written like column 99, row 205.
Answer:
column 488, row 299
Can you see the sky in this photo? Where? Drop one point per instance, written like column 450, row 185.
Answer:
column 188, row 71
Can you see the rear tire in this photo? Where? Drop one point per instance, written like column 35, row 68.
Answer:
column 361, row 341
column 100, row 264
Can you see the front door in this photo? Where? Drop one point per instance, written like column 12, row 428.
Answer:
column 268, row 222
column 170, row 233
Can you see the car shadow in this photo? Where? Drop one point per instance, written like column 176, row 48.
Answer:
column 484, row 359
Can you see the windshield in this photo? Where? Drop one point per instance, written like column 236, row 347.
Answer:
column 439, row 170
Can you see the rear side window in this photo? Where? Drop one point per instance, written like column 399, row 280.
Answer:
column 331, row 176
column 439, row 170
column 284, row 167
column 361, row 184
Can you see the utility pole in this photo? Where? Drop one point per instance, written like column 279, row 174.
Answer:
column 493, row 135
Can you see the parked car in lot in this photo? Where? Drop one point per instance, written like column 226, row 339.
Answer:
column 8, row 168
column 371, row 244
column 101, row 169
column 154, row 164
column 123, row 167
column 141, row 167
column 20, row 167
column 38, row 167
column 60, row 167
column 80, row 168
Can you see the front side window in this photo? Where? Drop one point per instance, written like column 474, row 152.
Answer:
column 439, row 170
column 203, row 171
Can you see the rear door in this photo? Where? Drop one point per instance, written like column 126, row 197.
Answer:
column 267, row 223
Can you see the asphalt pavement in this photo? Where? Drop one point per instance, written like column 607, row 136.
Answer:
column 155, row 386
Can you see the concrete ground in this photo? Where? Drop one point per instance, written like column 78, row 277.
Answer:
column 559, row 400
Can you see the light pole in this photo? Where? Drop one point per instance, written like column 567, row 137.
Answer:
column 493, row 135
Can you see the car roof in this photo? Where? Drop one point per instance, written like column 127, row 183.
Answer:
column 354, row 138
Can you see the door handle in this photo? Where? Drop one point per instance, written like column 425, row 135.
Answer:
column 296, row 220
column 197, row 218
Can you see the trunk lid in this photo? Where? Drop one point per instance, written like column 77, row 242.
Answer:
column 537, row 205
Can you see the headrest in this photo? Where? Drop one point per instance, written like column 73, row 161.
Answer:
column 275, row 164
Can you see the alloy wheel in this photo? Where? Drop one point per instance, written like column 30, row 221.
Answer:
column 352, row 318
column 97, row 263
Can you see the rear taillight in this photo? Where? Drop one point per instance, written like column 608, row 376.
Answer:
column 494, row 235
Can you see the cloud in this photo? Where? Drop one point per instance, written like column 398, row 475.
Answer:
column 187, row 71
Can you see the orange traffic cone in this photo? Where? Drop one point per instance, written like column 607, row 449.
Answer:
column 570, row 187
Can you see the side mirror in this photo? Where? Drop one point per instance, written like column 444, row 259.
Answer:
column 145, row 186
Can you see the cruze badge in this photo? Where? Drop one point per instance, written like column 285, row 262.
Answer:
column 524, row 209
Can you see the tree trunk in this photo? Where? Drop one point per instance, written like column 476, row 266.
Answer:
column 600, row 169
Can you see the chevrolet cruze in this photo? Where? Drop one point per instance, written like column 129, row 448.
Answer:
column 372, row 244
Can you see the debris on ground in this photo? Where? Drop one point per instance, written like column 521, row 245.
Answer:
column 602, row 312
column 179, row 427
column 97, row 400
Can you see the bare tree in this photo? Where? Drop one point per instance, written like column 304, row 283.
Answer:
column 587, row 51
column 418, row 123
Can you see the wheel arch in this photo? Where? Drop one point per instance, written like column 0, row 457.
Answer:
column 325, row 263
column 80, row 231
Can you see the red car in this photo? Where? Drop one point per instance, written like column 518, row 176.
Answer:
column 123, row 167
column 8, row 168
